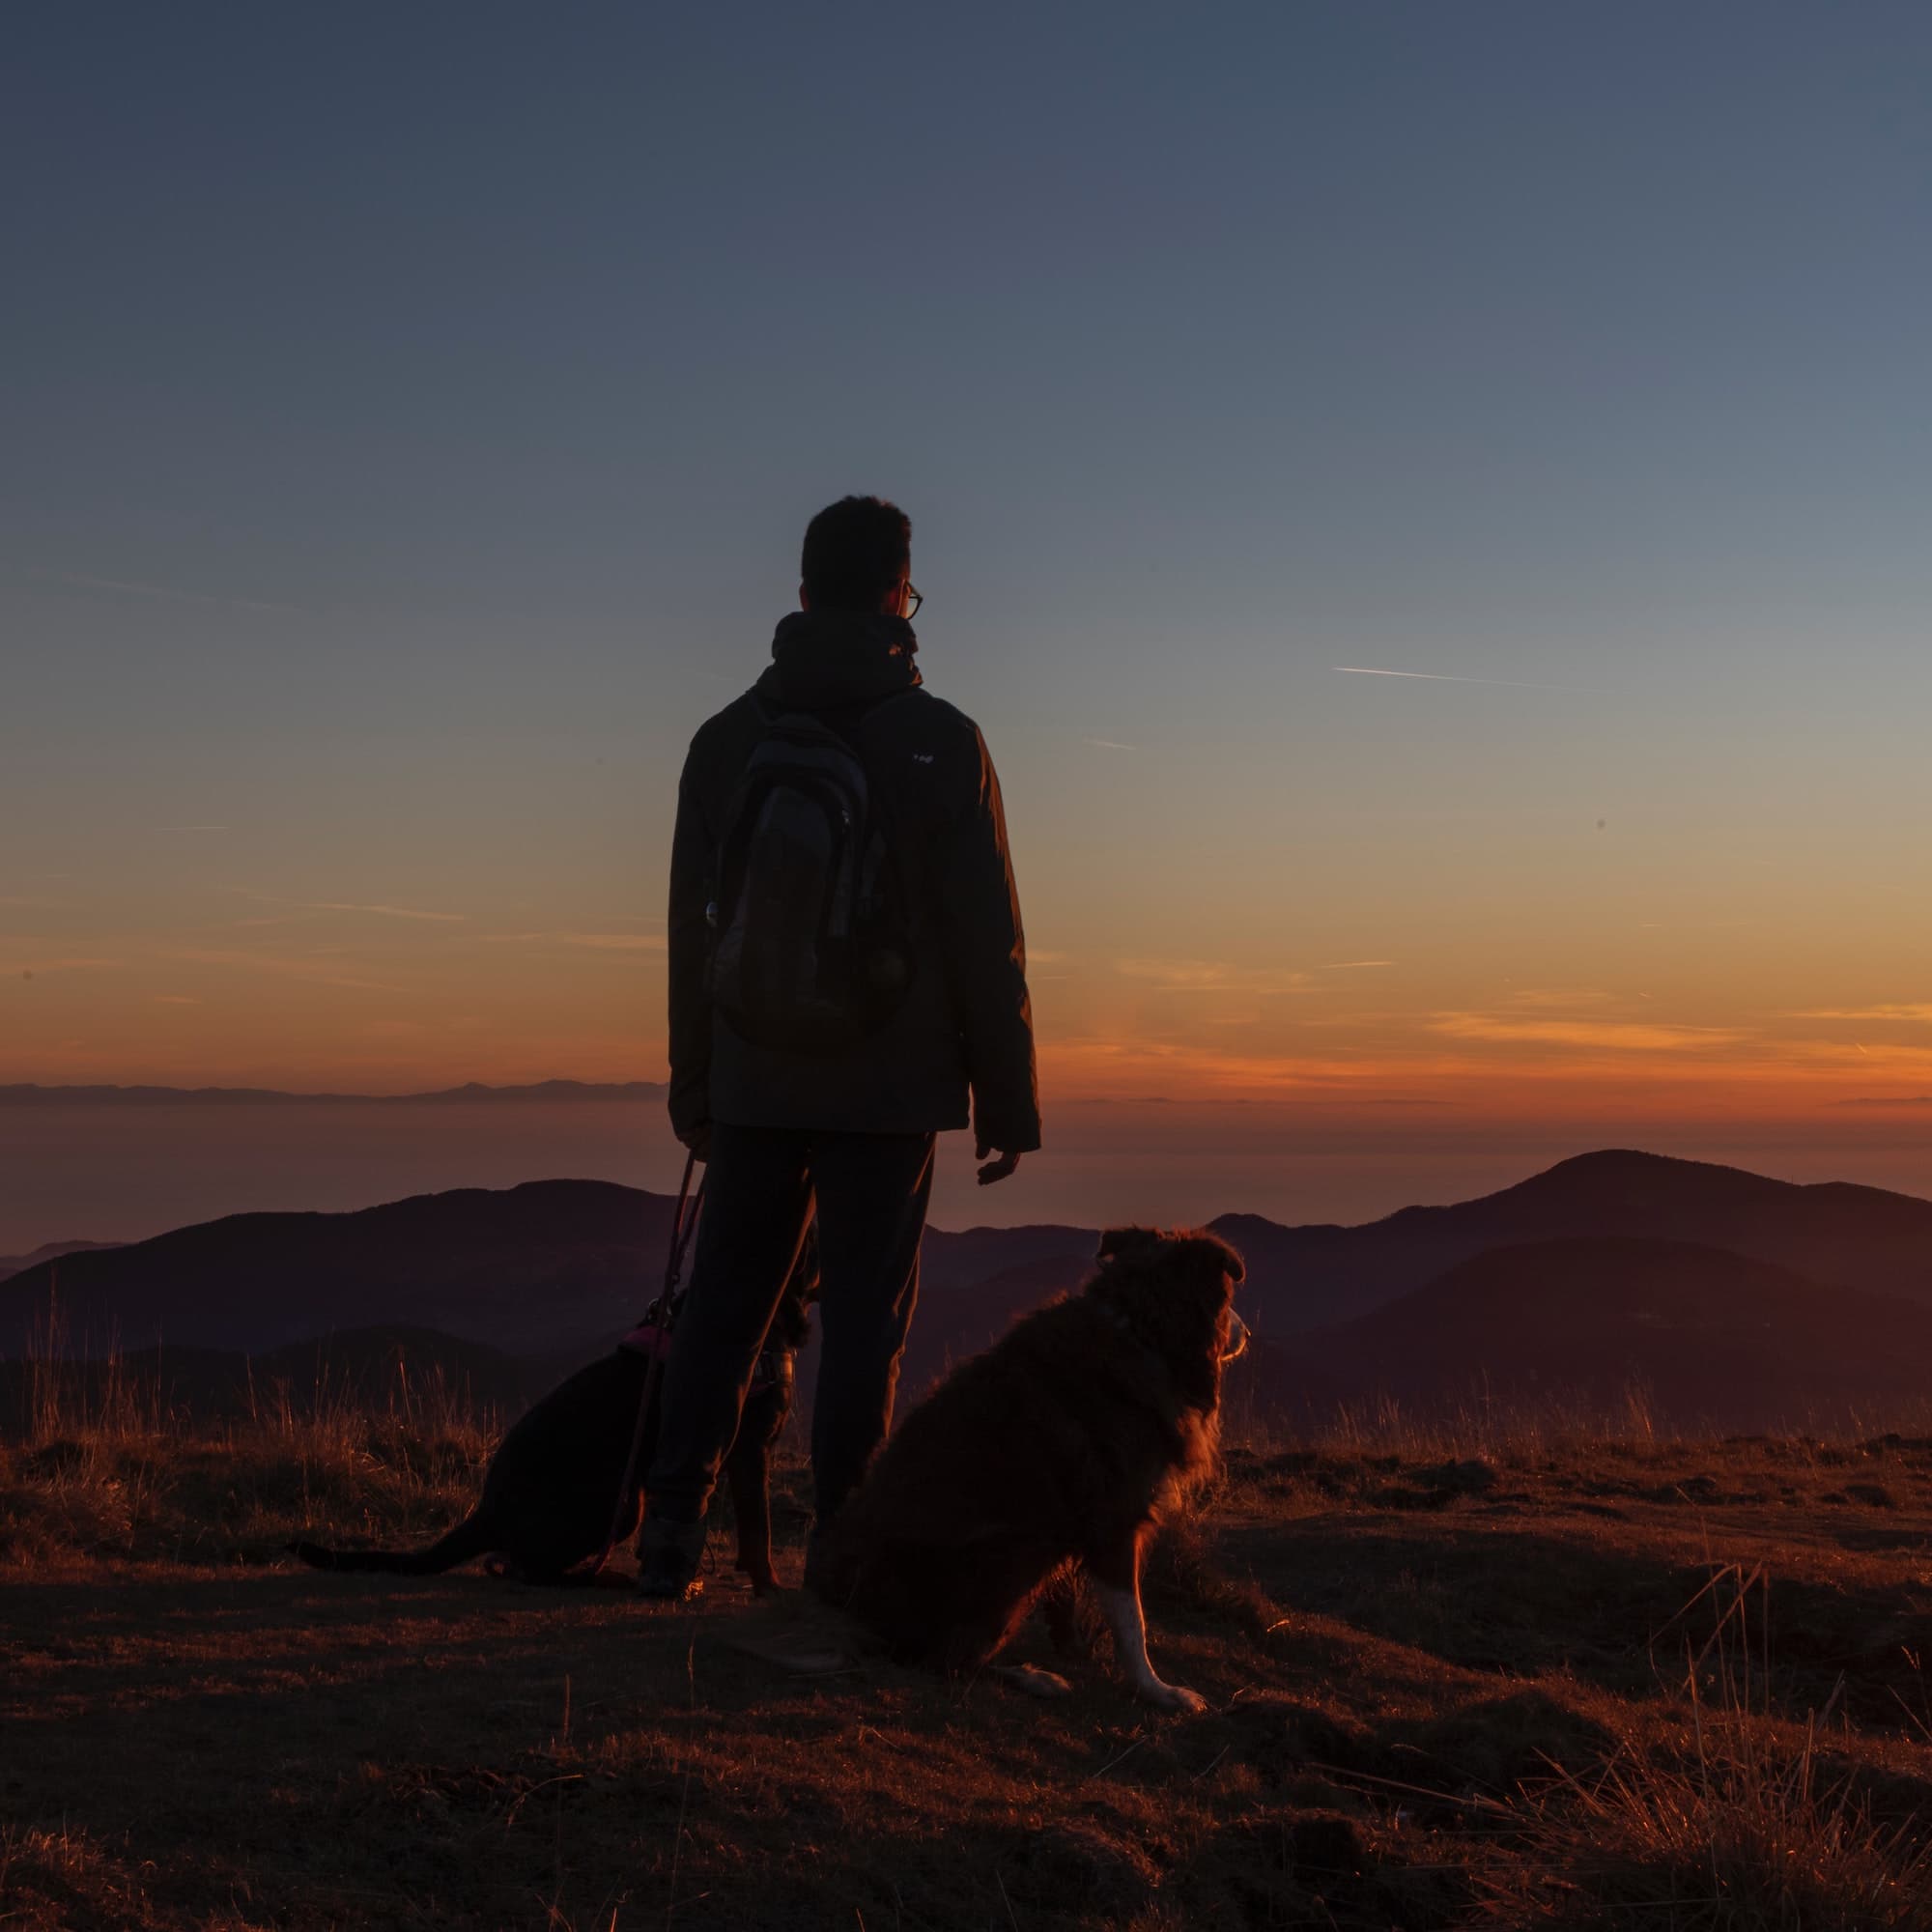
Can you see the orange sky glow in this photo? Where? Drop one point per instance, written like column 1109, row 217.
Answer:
column 335, row 996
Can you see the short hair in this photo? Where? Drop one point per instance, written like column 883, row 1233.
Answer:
column 855, row 551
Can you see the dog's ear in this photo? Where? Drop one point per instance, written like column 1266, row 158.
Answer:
column 1131, row 1244
column 1220, row 1269
column 1235, row 1268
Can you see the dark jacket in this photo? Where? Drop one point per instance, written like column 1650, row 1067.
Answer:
column 966, row 1020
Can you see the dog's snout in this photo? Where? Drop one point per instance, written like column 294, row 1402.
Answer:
column 1238, row 1337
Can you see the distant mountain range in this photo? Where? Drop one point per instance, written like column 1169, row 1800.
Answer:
column 529, row 1270
column 1719, row 1290
column 1701, row 1333
column 1837, row 1233
column 47, row 1251
column 30, row 1094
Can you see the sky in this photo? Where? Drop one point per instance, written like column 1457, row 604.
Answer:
column 1428, row 505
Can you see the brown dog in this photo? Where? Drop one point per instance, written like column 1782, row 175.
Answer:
column 1058, row 1447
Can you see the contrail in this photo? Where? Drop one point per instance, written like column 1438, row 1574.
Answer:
column 1444, row 677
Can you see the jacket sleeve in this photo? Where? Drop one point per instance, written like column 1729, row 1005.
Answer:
column 688, row 942
column 979, row 912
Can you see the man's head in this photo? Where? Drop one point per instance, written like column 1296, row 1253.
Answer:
column 857, row 554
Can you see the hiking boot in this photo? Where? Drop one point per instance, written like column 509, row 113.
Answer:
column 817, row 1576
column 668, row 1554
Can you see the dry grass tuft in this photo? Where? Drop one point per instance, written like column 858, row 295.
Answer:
column 104, row 1468
column 1748, row 1832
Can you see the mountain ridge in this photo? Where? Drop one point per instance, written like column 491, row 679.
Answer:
column 47, row 1251
column 558, row 1264
column 1703, row 1334
column 1837, row 1233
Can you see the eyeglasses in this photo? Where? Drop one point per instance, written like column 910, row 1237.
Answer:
column 913, row 600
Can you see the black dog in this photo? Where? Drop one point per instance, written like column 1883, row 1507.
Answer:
column 551, row 1490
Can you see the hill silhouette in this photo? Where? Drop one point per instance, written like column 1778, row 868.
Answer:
column 553, row 1268
column 549, row 1273
column 47, row 1251
column 1835, row 1232
column 1709, row 1336
column 533, row 1269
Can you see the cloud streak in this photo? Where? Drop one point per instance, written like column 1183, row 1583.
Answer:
column 385, row 911
column 278, row 966
column 1920, row 1011
column 378, row 909
column 597, row 942
column 1445, row 677
column 1210, row 976
column 1624, row 1035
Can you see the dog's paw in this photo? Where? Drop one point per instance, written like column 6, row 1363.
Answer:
column 1172, row 1697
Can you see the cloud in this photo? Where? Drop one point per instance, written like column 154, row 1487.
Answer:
column 1208, row 975
column 1624, row 1036
column 1352, row 965
column 276, row 965
column 1444, row 677
column 296, row 907
column 1919, row 1011
column 176, row 1000
column 1110, row 745
column 1560, row 998
column 191, row 828
column 599, row 942
column 384, row 911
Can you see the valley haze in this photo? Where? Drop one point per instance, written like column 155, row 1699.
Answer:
column 108, row 1163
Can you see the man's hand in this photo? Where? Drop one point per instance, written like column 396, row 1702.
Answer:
column 699, row 1140
column 996, row 1169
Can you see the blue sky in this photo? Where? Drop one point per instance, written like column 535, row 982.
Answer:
column 414, row 413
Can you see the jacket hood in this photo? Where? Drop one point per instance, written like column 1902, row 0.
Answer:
column 822, row 658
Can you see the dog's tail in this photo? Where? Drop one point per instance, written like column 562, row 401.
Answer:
column 470, row 1538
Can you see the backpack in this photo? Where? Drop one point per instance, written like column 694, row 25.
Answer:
column 809, row 949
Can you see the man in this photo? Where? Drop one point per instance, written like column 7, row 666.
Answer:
column 846, row 965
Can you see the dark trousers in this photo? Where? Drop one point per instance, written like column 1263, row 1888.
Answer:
column 760, row 1185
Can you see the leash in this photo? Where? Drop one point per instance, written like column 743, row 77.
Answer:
column 664, row 1308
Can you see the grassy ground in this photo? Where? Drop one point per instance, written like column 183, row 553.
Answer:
column 1501, row 1679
